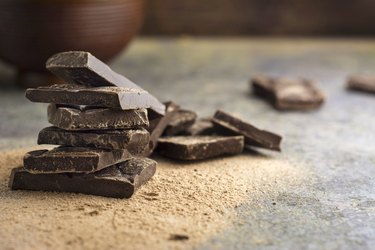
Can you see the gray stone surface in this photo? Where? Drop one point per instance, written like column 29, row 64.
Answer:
column 336, row 209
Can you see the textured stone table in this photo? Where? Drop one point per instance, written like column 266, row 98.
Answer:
column 336, row 209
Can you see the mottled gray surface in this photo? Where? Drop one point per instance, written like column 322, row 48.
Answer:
column 336, row 209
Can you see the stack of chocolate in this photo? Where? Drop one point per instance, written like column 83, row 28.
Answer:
column 101, row 122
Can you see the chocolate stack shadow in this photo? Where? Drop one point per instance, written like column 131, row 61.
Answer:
column 101, row 120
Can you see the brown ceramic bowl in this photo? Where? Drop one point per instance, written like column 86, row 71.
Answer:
column 33, row 30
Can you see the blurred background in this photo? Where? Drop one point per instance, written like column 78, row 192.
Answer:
column 33, row 30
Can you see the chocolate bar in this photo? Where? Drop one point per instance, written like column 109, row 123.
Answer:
column 118, row 181
column 96, row 118
column 79, row 67
column 72, row 159
column 199, row 147
column 180, row 122
column 109, row 97
column 365, row 83
column 134, row 140
column 202, row 126
column 158, row 125
column 288, row 94
column 253, row 136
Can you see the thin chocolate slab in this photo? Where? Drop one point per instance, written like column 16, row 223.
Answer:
column 289, row 94
column 202, row 126
column 96, row 118
column 72, row 160
column 364, row 83
column 110, row 97
column 158, row 125
column 253, row 136
column 180, row 123
column 134, row 140
column 118, row 181
column 79, row 67
column 199, row 147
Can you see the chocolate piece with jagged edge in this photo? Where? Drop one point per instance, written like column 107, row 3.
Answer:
column 364, row 83
column 118, row 181
column 289, row 94
column 134, row 140
column 203, row 126
column 109, row 97
column 199, row 147
column 88, row 118
column 158, row 125
column 253, row 136
column 82, row 68
column 180, row 123
column 72, row 159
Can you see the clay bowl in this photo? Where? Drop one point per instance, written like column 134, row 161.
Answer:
column 33, row 30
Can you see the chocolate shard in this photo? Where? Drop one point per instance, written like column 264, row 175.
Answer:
column 110, row 97
column 118, row 181
column 365, row 83
column 202, row 126
column 199, row 147
column 253, row 136
column 289, row 94
column 158, row 125
column 72, row 160
column 180, row 123
column 79, row 67
column 134, row 140
column 87, row 118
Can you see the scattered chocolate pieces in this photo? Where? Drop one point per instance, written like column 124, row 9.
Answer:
column 253, row 136
column 79, row 67
column 362, row 83
column 107, row 97
column 72, row 159
column 96, row 118
column 202, row 126
column 288, row 94
column 180, row 122
column 158, row 125
column 199, row 147
column 178, row 237
column 134, row 140
column 118, row 181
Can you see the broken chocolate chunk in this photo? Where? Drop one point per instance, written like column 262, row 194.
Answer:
column 288, row 94
column 96, row 118
column 108, row 97
column 180, row 122
column 199, row 147
column 365, row 83
column 72, row 159
column 202, row 126
column 134, row 140
column 118, row 181
column 158, row 125
column 79, row 67
column 253, row 136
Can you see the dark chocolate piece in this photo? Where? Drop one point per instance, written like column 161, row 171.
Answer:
column 97, row 118
column 72, row 159
column 158, row 125
column 180, row 123
column 134, row 140
column 365, row 83
column 110, row 97
column 199, row 147
column 289, row 94
column 79, row 67
column 253, row 136
column 118, row 181
column 202, row 126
